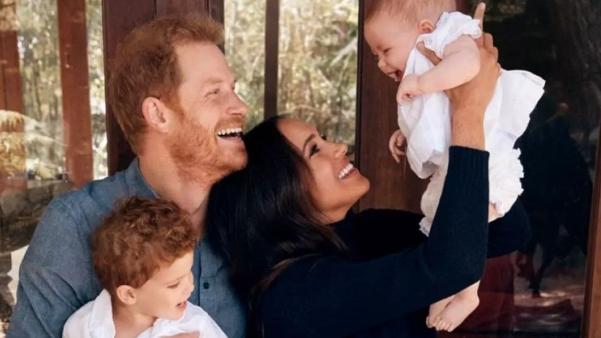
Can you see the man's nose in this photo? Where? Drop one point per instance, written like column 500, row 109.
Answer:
column 239, row 107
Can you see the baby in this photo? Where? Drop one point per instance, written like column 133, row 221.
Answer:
column 143, row 254
column 393, row 28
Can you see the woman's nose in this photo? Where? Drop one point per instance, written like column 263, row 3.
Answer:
column 341, row 150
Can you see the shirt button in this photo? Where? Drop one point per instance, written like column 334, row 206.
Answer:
column 205, row 285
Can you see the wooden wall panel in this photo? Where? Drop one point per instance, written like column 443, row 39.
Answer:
column 169, row 7
column 392, row 185
column 118, row 20
column 77, row 124
column 11, row 95
column 591, row 321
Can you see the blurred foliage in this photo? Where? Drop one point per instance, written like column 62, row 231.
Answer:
column 317, row 60
column 96, row 75
column 12, row 145
column 245, row 51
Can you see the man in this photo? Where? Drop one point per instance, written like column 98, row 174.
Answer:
column 173, row 95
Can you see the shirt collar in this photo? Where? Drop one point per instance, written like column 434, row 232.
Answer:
column 136, row 183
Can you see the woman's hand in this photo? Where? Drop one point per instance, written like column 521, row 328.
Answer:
column 469, row 100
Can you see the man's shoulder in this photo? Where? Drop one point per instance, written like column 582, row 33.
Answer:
column 70, row 218
column 98, row 194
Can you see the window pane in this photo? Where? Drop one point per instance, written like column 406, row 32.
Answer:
column 96, row 74
column 318, row 64
column 245, row 52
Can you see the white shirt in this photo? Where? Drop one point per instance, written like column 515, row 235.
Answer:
column 425, row 121
column 95, row 320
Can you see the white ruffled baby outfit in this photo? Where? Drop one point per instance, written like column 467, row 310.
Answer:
column 95, row 320
column 426, row 122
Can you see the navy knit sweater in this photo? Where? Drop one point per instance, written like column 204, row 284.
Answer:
column 394, row 272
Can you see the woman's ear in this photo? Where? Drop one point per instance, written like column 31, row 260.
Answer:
column 126, row 294
column 154, row 112
column 425, row 26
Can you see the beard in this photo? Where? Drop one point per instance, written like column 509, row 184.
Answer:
column 197, row 155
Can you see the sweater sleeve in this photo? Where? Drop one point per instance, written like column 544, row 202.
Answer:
column 376, row 232
column 335, row 296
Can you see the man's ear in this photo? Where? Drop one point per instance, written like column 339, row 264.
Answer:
column 425, row 26
column 126, row 294
column 155, row 114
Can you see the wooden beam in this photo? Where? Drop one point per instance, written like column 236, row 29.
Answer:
column 376, row 121
column 12, row 95
column 272, row 40
column 77, row 120
column 591, row 321
column 171, row 7
column 118, row 20
column 463, row 6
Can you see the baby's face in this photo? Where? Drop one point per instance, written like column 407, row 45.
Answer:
column 165, row 295
column 391, row 40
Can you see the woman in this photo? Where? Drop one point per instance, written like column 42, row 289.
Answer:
column 310, row 270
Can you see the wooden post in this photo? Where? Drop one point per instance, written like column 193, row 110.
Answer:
column 118, row 20
column 77, row 120
column 376, row 121
column 272, row 41
column 591, row 321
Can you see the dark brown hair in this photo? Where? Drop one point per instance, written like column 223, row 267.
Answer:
column 139, row 237
column 146, row 65
column 262, row 218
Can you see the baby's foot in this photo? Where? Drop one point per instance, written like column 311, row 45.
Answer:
column 455, row 313
column 435, row 310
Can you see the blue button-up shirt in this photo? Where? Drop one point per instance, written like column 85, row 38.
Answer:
column 57, row 275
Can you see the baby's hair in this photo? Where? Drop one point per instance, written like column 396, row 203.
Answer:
column 138, row 237
column 407, row 10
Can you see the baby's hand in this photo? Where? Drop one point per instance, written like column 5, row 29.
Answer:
column 408, row 89
column 395, row 145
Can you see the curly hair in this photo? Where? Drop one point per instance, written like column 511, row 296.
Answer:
column 139, row 237
column 146, row 65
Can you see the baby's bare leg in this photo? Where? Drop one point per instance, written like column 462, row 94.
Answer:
column 464, row 303
column 435, row 311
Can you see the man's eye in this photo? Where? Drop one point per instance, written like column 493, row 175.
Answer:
column 213, row 92
column 314, row 150
column 324, row 137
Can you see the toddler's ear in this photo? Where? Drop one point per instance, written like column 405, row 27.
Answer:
column 425, row 26
column 126, row 294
